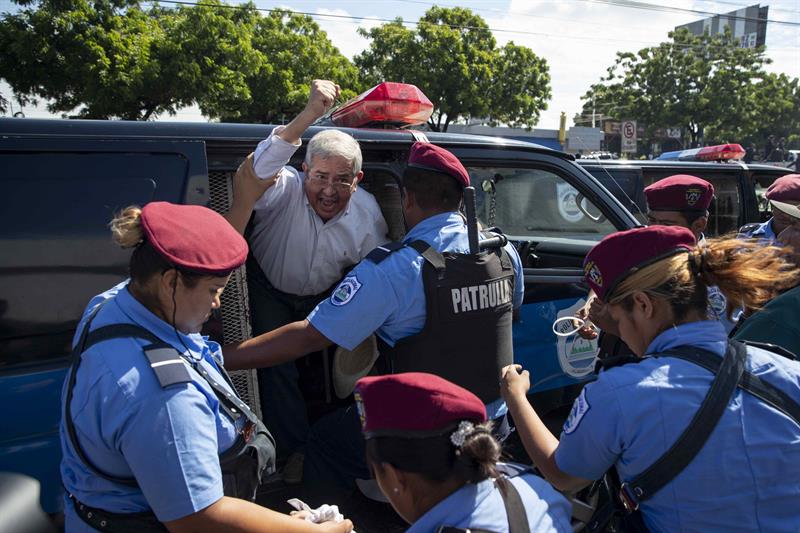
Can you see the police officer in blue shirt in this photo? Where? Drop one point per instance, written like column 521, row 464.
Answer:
column 785, row 189
column 154, row 437
column 745, row 475
column 435, row 460
column 444, row 314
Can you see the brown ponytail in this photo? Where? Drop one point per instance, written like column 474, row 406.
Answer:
column 126, row 227
column 747, row 273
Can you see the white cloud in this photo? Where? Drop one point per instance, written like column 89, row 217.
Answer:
column 578, row 38
column 343, row 32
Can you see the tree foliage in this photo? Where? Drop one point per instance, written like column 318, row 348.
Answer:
column 707, row 85
column 453, row 57
column 114, row 59
column 293, row 51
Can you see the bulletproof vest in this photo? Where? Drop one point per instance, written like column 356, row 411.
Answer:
column 467, row 333
column 242, row 465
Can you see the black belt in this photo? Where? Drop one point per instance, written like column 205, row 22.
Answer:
column 102, row 520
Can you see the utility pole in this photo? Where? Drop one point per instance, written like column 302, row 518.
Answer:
column 593, row 122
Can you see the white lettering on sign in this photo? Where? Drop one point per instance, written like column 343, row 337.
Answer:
column 483, row 296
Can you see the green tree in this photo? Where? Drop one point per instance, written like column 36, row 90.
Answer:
column 453, row 57
column 703, row 84
column 775, row 109
column 293, row 51
column 112, row 59
column 521, row 87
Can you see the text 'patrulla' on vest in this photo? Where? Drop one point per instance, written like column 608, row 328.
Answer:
column 483, row 296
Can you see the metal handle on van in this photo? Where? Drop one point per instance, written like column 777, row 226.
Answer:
column 472, row 219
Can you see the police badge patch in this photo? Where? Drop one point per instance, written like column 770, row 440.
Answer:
column 593, row 273
column 693, row 195
column 345, row 291
column 579, row 410
column 360, row 408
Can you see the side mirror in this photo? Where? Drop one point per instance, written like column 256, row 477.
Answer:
column 589, row 209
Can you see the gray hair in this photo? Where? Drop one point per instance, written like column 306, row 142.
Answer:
column 329, row 143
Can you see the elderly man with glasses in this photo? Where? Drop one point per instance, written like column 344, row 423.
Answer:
column 308, row 230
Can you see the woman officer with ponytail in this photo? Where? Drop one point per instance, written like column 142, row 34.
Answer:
column 154, row 437
column 432, row 453
column 704, row 435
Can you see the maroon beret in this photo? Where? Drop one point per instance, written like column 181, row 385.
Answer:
column 785, row 189
column 680, row 192
column 620, row 254
column 193, row 237
column 431, row 157
column 413, row 404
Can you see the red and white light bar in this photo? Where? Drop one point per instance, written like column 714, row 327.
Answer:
column 719, row 152
column 388, row 103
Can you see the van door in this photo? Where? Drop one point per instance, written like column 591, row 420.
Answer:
column 60, row 195
column 554, row 212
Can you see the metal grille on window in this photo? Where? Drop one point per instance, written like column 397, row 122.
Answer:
column 235, row 308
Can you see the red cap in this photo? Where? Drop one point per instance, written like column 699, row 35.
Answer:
column 413, row 404
column 431, row 157
column 193, row 237
column 620, row 254
column 785, row 189
column 680, row 192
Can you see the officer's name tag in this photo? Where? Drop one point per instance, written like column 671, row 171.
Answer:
column 483, row 296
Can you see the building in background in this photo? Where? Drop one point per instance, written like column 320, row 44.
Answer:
column 748, row 25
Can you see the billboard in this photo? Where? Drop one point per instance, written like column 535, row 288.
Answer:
column 748, row 25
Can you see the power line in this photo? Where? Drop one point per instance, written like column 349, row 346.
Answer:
column 670, row 9
column 742, row 6
column 352, row 18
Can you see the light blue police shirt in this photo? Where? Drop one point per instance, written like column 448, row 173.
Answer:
column 764, row 232
column 128, row 426
column 745, row 478
column 389, row 298
column 480, row 506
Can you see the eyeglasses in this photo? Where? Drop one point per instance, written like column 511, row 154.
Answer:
column 340, row 184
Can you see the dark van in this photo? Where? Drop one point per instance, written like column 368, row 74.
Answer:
column 739, row 188
column 63, row 180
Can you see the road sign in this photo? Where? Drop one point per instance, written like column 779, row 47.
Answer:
column 628, row 132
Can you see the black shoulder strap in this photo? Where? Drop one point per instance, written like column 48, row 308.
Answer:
column 169, row 367
column 780, row 350
column 79, row 348
column 515, row 509
column 691, row 441
column 766, row 392
column 431, row 256
column 383, row 251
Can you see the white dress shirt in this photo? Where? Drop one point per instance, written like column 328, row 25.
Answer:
column 298, row 252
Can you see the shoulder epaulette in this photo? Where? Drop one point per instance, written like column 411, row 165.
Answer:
column 168, row 365
column 385, row 250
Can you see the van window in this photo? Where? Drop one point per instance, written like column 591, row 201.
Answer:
column 384, row 186
column 528, row 203
column 725, row 209
column 57, row 249
column 626, row 186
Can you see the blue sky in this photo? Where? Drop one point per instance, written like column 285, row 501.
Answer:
column 579, row 38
